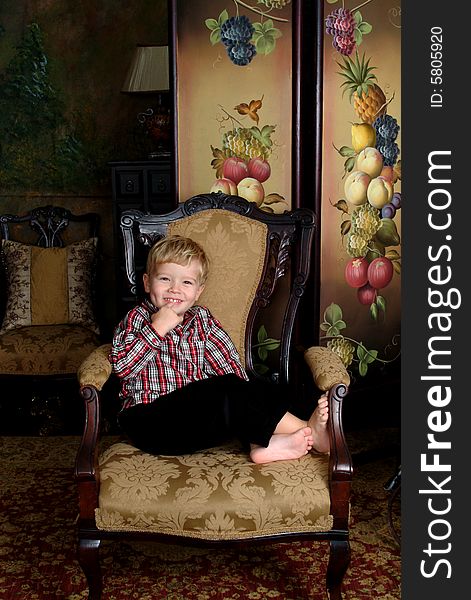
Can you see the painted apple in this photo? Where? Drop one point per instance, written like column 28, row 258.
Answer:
column 356, row 186
column 366, row 294
column 259, row 169
column 380, row 191
column 380, row 272
column 370, row 161
column 235, row 168
column 356, row 272
column 227, row 186
column 251, row 189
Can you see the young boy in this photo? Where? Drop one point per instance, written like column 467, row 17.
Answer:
column 183, row 387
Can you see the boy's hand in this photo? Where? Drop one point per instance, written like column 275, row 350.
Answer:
column 165, row 319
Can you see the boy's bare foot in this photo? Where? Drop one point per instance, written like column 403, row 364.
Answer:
column 318, row 424
column 284, row 446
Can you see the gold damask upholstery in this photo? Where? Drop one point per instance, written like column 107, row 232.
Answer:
column 216, row 494
column 45, row 349
column 96, row 368
column 326, row 366
column 236, row 247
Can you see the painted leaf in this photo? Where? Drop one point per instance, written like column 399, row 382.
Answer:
column 265, row 36
column 345, row 226
column 263, row 135
column 381, row 302
column 271, row 344
column 333, row 313
column 349, row 164
column 262, row 334
column 215, row 36
column 273, row 197
column 341, row 205
column 393, row 255
column 340, row 324
column 365, row 27
column 361, row 352
column 363, row 368
column 346, row 151
column 218, row 161
column 211, row 24
column 374, row 311
column 397, row 266
column 358, row 18
column 357, row 36
column 223, row 17
column 371, row 356
column 397, row 170
column 262, row 354
column 265, row 44
column 250, row 109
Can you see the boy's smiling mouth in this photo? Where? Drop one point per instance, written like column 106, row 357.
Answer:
column 173, row 300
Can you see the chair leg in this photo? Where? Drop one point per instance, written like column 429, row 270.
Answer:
column 339, row 560
column 89, row 560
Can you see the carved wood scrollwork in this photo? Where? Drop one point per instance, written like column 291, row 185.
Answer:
column 149, row 239
column 127, row 223
column 217, row 200
column 279, row 249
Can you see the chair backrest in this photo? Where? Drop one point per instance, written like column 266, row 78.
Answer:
column 45, row 227
column 249, row 250
column 49, row 226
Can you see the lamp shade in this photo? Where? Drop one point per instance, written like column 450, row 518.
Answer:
column 149, row 70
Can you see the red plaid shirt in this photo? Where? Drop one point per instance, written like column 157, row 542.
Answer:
column 150, row 365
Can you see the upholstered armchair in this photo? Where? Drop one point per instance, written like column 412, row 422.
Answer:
column 218, row 496
column 47, row 318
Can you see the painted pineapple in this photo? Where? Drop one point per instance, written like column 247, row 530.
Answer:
column 369, row 100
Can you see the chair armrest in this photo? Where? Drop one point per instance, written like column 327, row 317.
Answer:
column 92, row 375
column 96, row 369
column 330, row 375
column 326, row 367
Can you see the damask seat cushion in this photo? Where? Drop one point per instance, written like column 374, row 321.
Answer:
column 217, row 494
column 45, row 349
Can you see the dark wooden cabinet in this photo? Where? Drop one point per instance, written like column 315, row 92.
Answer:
column 145, row 186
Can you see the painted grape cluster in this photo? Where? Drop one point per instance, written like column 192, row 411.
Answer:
column 244, row 38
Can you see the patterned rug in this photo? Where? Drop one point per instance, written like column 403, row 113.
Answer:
column 37, row 540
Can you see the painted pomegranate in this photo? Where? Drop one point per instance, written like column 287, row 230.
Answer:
column 356, row 272
column 380, row 272
column 366, row 294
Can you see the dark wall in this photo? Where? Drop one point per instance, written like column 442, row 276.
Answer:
column 62, row 114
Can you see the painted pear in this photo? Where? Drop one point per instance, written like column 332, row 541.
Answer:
column 363, row 136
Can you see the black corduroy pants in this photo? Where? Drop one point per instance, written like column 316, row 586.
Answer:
column 207, row 413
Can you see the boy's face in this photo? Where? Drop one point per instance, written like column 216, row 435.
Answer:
column 173, row 285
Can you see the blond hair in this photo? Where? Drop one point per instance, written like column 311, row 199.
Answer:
column 179, row 250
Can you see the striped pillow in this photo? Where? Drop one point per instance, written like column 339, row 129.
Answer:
column 49, row 286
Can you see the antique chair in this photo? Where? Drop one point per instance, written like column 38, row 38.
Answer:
column 218, row 496
column 47, row 317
